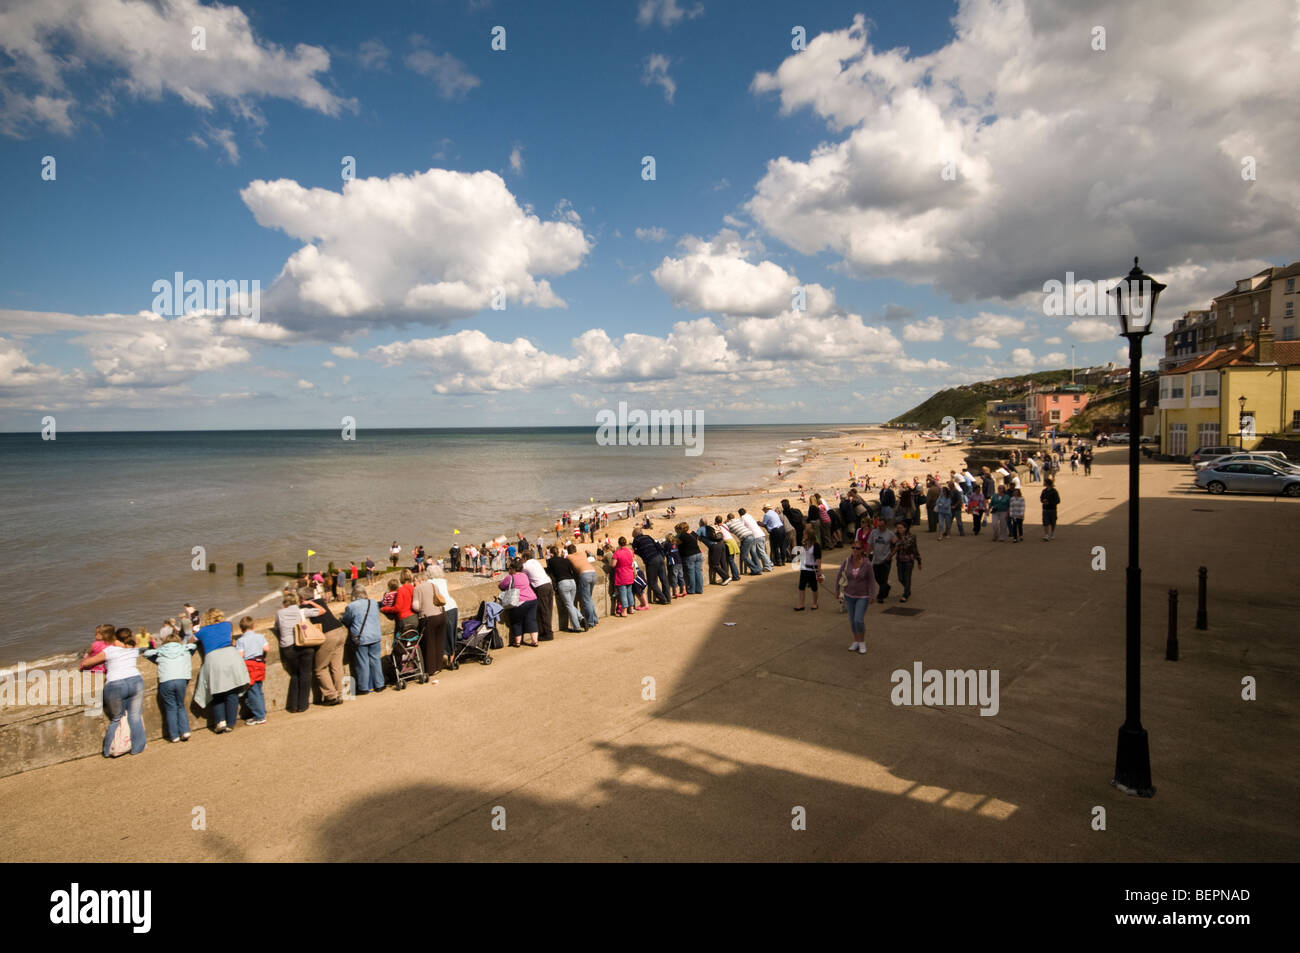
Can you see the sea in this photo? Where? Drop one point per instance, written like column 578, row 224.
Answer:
column 110, row 527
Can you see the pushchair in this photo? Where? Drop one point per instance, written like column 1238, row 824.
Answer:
column 478, row 636
column 408, row 660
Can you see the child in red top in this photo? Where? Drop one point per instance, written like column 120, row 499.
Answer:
column 103, row 639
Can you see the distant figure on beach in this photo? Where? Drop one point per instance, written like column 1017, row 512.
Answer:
column 123, row 691
column 393, row 552
column 370, row 569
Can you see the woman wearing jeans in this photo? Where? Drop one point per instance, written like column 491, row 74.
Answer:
column 688, row 548
column 624, row 575
column 523, row 617
column 856, row 585
column 585, row 572
column 299, row 660
column 123, row 688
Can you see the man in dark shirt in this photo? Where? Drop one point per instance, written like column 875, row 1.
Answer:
column 656, row 567
column 796, row 520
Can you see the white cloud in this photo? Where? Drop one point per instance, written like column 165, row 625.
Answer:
column 717, row 275
column 734, row 222
column 305, row 385
column 327, row 364
column 344, row 352
column 145, row 48
column 517, row 160
column 428, row 247
column 666, row 12
column 373, row 54
column 1051, row 340
column 653, row 234
column 985, row 329
column 931, row 329
column 656, row 71
column 449, row 74
column 1092, row 329
column 1017, row 82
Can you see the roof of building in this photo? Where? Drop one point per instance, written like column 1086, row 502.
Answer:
column 1286, row 353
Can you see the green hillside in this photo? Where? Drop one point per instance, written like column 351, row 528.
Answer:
column 968, row 400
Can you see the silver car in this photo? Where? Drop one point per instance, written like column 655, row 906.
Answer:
column 1270, row 457
column 1248, row 478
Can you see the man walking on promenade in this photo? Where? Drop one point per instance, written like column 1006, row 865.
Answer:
column 907, row 555
column 776, row 533
column 880, row 545
column 931, row 498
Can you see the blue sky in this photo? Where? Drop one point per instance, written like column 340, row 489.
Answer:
column 521, row 170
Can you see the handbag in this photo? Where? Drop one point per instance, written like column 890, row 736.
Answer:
column 306, row 635
column 510, row 598
column 121, row 740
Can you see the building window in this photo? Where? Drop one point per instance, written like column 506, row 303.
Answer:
column 1290, row 285
column 1212, row 384
column 1076, row 398
column 1290, row 309
column 1164, row 387
column 1295, row 420
column 1196, row 385
column 1176, row 387
column 1256, row 304
column 1207, row 435
column 1178, row 439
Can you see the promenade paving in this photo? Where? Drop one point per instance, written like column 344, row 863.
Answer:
column 754, row 721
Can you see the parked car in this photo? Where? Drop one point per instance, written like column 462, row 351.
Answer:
column 1204, row 454
column 1248, row 478
column 1119, row 438
column 1271, row 457
column 1148, row 438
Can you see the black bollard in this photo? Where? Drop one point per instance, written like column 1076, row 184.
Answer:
column 300, row 569
column 1202, row 620
column 269, row 569
column 212, row 567
column 1171, row 644
column 239, row 569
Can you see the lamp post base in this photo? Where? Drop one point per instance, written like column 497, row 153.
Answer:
column 1133, row 763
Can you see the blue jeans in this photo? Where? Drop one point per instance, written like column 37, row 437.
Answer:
column 567, row 589
column 749, row 555
column 857, row 610
column 586, row 583
column 624, row 594
column 731, row 561
column 172, row 693
column 125, row 697
column 224, row 707
column 255, row 699
column 945, row 522
column 367, row 667
column 695, row 573
column 678, row 576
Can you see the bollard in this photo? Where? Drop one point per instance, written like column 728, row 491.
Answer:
column 1171, row 644
column 212, row 567
column 239, row 569
column 300, row 569
column 269, row 569
column 332, row 570
column 1202, row 620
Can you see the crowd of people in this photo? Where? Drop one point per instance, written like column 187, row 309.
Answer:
column 545, row 587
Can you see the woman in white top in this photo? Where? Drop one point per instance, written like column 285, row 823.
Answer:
column 450, row 609
column 123, row 688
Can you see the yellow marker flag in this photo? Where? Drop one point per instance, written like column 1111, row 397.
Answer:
column 455, row 532
column 591, row 500
column 311, row 552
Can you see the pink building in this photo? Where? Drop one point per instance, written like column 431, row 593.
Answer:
column 1053, row 408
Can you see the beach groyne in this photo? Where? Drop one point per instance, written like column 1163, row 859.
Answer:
column 36, row 736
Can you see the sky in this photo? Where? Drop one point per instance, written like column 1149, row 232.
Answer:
column 486, row 213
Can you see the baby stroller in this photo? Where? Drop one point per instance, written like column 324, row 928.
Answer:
column 478, row 636
column 408, row 660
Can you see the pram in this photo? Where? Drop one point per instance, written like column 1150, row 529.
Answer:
column 478, row 636
column 408, row 660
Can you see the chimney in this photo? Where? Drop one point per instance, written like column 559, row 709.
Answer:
column 1264, row 344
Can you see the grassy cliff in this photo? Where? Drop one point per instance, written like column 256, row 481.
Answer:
column 968, row 400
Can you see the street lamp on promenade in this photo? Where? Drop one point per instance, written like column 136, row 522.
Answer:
column 1241, row 421
column 1135, row 298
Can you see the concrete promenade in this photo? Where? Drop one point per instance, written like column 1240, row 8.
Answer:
column 750, row 722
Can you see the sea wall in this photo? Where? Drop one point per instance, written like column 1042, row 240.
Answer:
column 37, row 736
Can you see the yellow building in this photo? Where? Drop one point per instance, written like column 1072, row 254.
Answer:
column 1201, row 401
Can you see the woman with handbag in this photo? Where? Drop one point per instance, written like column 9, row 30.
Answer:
column 123, row 694
column 299, row 640
column 517, row 595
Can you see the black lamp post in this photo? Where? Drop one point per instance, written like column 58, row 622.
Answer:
column 1135, row 298
column 1241, row 420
